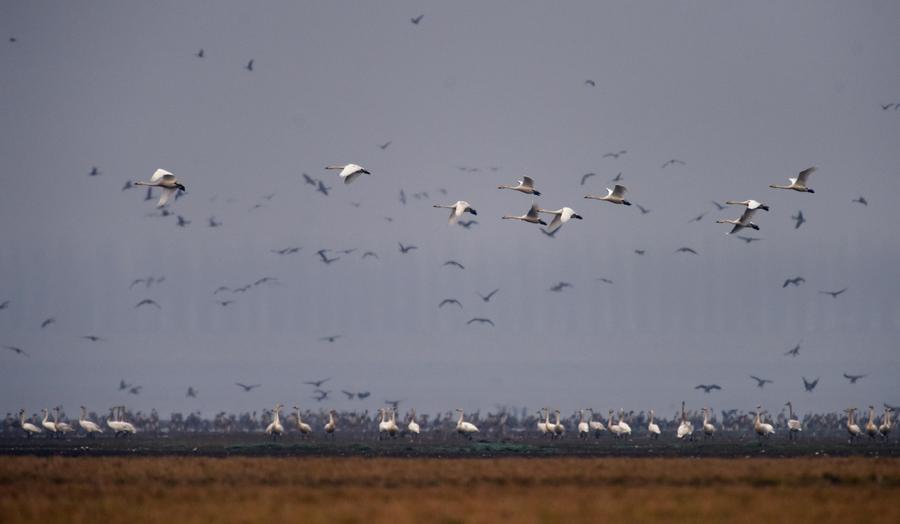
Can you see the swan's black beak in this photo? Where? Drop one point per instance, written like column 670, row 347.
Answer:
column 577, row 216
column 541, row 222
column 472, row 211
column 810, row 191
column 765, row 207
column 627, row 203
column 538, row 193
column 181, row 187
column 754, row 226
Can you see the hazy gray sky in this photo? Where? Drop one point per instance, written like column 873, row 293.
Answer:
column 747, row 94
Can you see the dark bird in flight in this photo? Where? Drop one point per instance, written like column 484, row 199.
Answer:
column 643, row 209
column 406, row 249
column 586, row 176
column 640, row 251
column 618, row 177
column 182, row 222
column 590, row 82
column 362, row 394
column 560, row 286
column 123, row 385
column 93, row 338
column 225, row 303
column 798, row 219
column 308, row 179
column 220, row 289
column 191, row 392
column 481, row 321
column 416, row 21
column 467, row 224
column 834, row 294
column 213, row 223
column 242, row 289
column 149, row 194
column 321, row 395
column 748, row 239
column 604, row 280
column 854, row 378
column 449, row 301
column 673, row 162
column 246, row 387
column 369, row 254
column 317, row 383
column 384, row 145
column 322, row 188
column 325, row 258
column 148, row 302
column 698, row 218
column 707, row 387
column 249, row 65
column 16, row 350
column 4, row 304
column 95, row 171
column 719, row 206
column 487, row 298
column 810, row 385
column 403, row 197
column 796, row 281
column 793, row 352
column 199, row 54
column 394, row 403
column 330, row 338
column 47, row 322
column 349, row 394
column 12, row 39
column 760, row 382
column 685, row 250
column 861, row 200
column 135, row 390
column 265, row 280
column 551, row 234
column 454, row 263
column 285, row 251
column 886, row 107
column 614, row 155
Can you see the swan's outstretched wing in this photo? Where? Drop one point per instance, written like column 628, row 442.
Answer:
column 453, row 216
column 555, row 224
column 161, row 174
column 805, row 174
column 527, row 181
column 747, row 215
column 735, row 229
column 167, row 193
column 619, row 191
column 533, row 212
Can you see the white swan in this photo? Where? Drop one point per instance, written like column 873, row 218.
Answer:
column 596, row 426
column 616, row 195
column 613, row 426
column 751, row 204
column 685, row 429
column 349, row 172
column 413, row 426
column 623, row 426
column 383, row 424
column 560, row 217
column 762, row 429
column 275, row 428
column 558, row 428
column 331, row 425
column 165, row 180
column 871, row 428
column 741, row 222
column 393, row 428
column 526, row 185
column 886, row 424
column 304, row 428
column 88, row 426
column 799, row 183
column 466, row 429
column 852, row 427
column 29, row 428
column 457, row 210
column 543, row 425
column 793, row 424
column 48, row 425
column 708, row 429
column 61, row 427
column 653, row 427
column 127, row 427
column 531, row 216
column 584, row 429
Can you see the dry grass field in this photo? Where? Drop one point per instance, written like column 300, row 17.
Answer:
column 211, row 490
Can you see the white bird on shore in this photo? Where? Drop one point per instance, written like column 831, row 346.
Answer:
column 584, row 428
column 871, row 428
column 708, row 428
column 168, row 183
column 762, row 429
column 464, row 428
column 304, row 428
column 29, row 428
column 88, row 426
column 560, row 217
column 686, row 428
column 413, row 426
column 48, row 425
column 794, row 425
column 799, row 183
column 616, row 195
column 457, row 210
column 61, row 427
column 596, row 426
column 886, row 423
column 275, row 428
column 852, row 427
column 653, row 427
column 349, row 172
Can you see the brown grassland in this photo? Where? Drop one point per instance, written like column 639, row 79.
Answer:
column 187, row 490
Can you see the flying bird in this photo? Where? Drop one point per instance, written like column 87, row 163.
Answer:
column 685, row 250
column 531, row 216
column 590, row 82
column 148, row 195
column 698, row 218
column 147, row 302
column 4, row 304
column 384, row 145
column 123, row 385
column 246, row 387
column 362, row 394
column 742, row 222
column 93, row 338
column 760, row 382
column 614, row 155
column 748, row 239
column 487, row 298
column 672, row 162
column 810, row 385
column 618, row 177
column 640, row 251
column 95, row 171
column 349, row 394
column 47, row 322
column 799, row 183
column 249, row 66
column 586, row 176
column 560, row 217
column 861, row 200
column 135, row 390
column 325, row 258
column 182, row 222
column 643, row 209
column 793, row 352
column 349, row 172
column 308, row 179
column 604, row 280
column 225, row 303
column 317, row 383
column 322, row 188
column 796, row 281
column 17, row 350
column 191, row 392
column 320, row 395
column 707, row 387
column 449, row 301
column 854, row 378
column 457, row 210
column 616, row 195
column 798, row 219
column 330, row 338
column 369, row 254
column 213, row 223
column 886, row 107
column 199, row 54
column 265, row 280
column 416, row 21
column 560, row 286
column 834, row 294
column 454, row 263
column 167, row 181
column 467, row 224
column 406, row 249
column 719, row 206
column 481, row 321
column 525, row 185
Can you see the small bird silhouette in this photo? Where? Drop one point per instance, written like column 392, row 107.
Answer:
column 416, row 21
column 369, row 254
column 320, row 395
column 182, row 222
column 317, row 383
column 719, row 206
column 604, row 280
column 363, row 394
column 199, row 54
column 246, row 387
column 467, row 224
column 17, row 350
column 191, row 392
column 798, row 219
column 135, row 390
column 834, row 294
column 698, row 218
column 672, row 162
column 481, row 321
column 406, row 249
column 886, row 107
column 614, row 155
column 249, row 65
column 349, row 394
column 213, row 223
column 796, row 281
column 643, row 209
column 810, row 385
column 487, row 298
column 148, row 302
column 384, row 145
column 760, row 382
column 685, row 250
column 123, row 385
column 793, row 352
column 93, row 338
column 322, row 188
column 325, row 258
column 449, row 301
column 47, row 322
column 308, row 179
column 4, row 304
column 586, row 176
column 854, row 378
column 640, row 251
column 330, row 338
column 560, row 286
column 707, row 387
column 590, row 82
column 95, row 171
column 749, row 239
column 454, row 263
column 861, row 200
column 225, row 303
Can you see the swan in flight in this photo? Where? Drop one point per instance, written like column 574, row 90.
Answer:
column 168, row 183
column 457, row 210
column 615, row 195
column 751, row 204
column 531, row 216
column 799, row 183
column 742, row 222
column 29, row 428
column 465, row 428
column 560, row 217
column 526, row 185
column 349, row 172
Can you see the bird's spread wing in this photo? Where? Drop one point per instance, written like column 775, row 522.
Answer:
column 805, row 175
column 167, row 193
column 527, row 181
column 747, row 215
column 554, row 224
